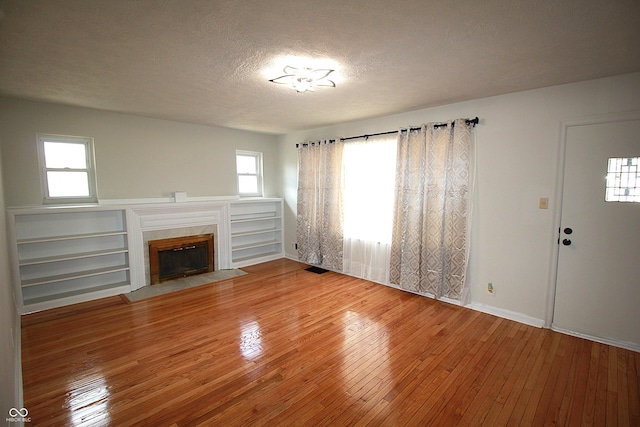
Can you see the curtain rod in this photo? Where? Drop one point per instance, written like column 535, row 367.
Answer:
column 472, row 122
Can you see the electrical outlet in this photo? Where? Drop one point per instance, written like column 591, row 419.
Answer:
column 294, row 246
column 490, row 289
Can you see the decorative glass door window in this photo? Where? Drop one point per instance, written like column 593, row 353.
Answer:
column 623, row 180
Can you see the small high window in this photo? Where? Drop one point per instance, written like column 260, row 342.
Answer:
column 67, row 171
column 623, row 180
column 249, row 169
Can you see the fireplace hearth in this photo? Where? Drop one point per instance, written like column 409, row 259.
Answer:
column 180, row 257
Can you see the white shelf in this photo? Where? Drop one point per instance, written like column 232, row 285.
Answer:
column 252, row 233
column 73, row 276
column 256, row 245
column 82, row 255
column 72, row 297
column 69, row 237
column 248, row 260
column 265, row 218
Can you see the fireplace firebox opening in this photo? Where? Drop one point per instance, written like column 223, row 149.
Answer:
column 180, row 257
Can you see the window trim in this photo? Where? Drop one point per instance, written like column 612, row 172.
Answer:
column 259, row 173
column 90, row 169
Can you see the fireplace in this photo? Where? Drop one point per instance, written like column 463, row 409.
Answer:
column 180, row 257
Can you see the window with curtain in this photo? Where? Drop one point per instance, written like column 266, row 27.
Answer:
column 393, row 209
column 369, row 176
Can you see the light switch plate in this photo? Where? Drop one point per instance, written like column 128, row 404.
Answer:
column 544, row 203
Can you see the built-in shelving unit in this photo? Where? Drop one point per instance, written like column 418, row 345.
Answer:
column 256, row 231
column 65, row 255
column 68, row 255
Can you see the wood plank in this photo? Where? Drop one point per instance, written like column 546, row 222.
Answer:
column 282, row 346
column 623, row 385
column 551, row 408
column 499, row 412
column 573, row 407
column 633, row 387
column 612, row 388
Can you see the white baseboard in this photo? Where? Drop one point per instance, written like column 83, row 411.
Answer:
column 622, row 344
column 291, row 257
column 507, row 314
column 499, row 312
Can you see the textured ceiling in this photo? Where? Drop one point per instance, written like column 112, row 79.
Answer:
column 209, row 62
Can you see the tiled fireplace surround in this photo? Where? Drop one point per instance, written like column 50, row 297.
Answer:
column 175, row 220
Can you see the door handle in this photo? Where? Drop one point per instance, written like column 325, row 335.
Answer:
column 566, row 242
column 568, row 230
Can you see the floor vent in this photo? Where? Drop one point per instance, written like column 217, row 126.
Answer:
column 316, row 270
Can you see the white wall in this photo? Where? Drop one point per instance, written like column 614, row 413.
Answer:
column 10, row 364
column 518, row 142
column 136, row 157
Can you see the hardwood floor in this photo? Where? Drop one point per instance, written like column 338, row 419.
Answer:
column 283, row 346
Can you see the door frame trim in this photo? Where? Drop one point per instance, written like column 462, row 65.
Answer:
column 555, row 252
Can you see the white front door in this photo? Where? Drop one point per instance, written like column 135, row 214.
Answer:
column 598, row 281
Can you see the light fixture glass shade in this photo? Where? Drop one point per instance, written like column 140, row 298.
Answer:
column 304, row 79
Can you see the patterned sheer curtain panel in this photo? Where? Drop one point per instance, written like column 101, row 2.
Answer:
column 320, row 204
column 430, row 243
column 369, row 176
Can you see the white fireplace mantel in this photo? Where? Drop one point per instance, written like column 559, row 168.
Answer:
column 175, row 215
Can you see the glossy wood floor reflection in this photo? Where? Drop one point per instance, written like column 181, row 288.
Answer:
column 282, row 346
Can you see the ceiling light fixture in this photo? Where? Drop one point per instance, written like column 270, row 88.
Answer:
column 304, row 79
